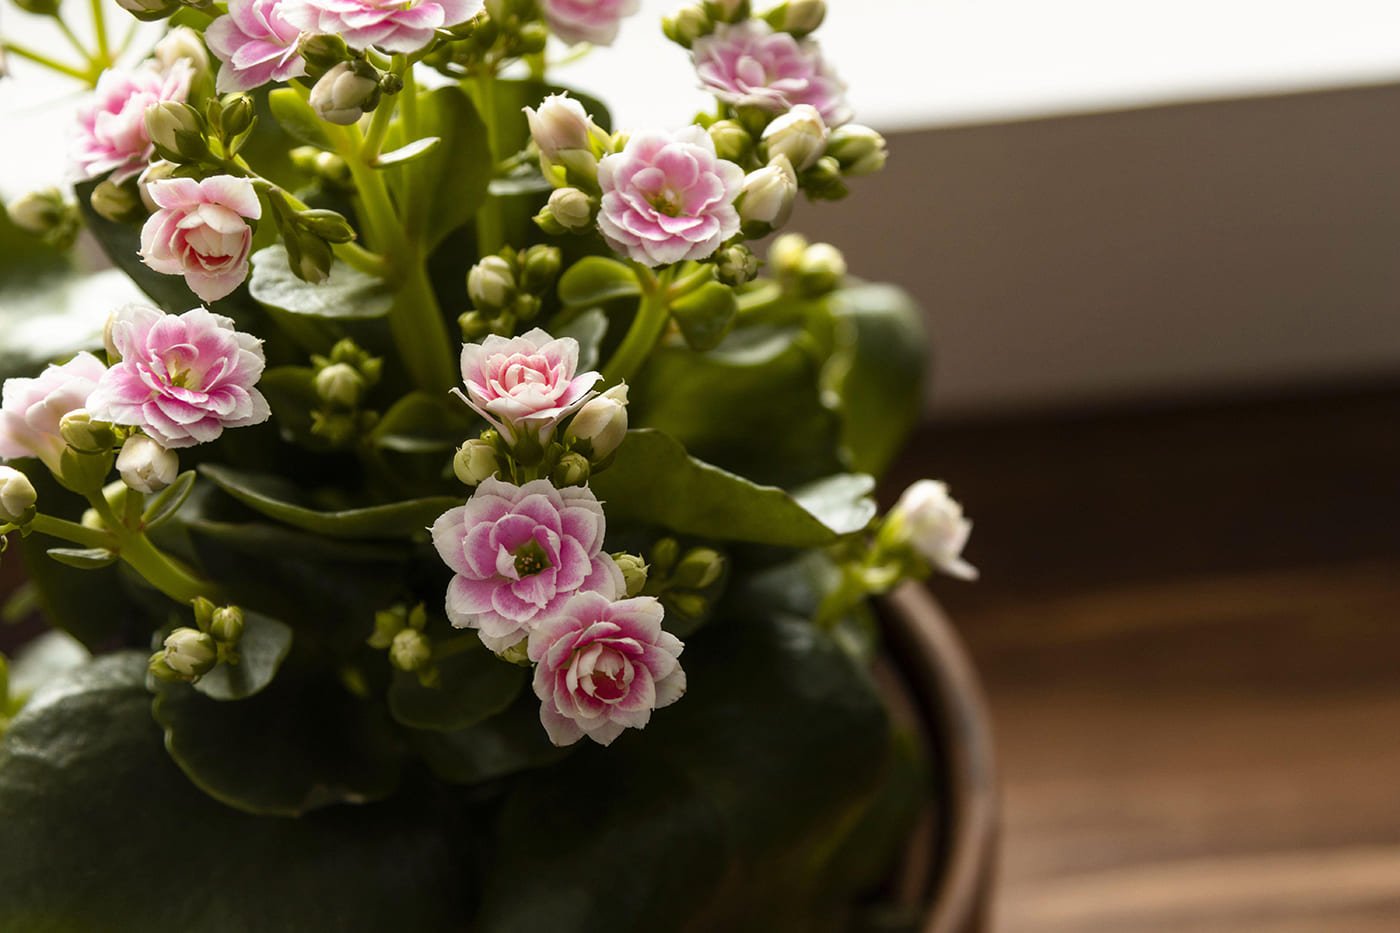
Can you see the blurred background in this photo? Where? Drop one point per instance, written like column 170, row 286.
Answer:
column 1157, row 245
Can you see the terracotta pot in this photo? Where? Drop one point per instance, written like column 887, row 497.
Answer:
column 949, row 868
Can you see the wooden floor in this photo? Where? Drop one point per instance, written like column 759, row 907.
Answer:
column 1189, row 630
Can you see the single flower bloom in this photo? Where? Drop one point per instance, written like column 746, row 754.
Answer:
column 929, row 520
column 668, row 198
column 592, row 21
column 182, row 378
column 391, row 25
column 201, row 231
column 112, row 133
column 561, row 125
column 603, row 666
column 747, row 64
column 31, row 410
column 519, row 553
column 255, row 45
column 525, row 384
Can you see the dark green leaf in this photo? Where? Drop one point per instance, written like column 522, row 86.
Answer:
column 706, row 315
column 422, row 423
column 275, row 498
column 589, row 329
column 405, row 154
column 475, row 685
column 83, row 558
column 295, row 116
column 596, row 279
column 122, row 243
column 168, row 501
column 506, row 744
column 261, row 651
column 654, row 481
column 346, row 294
column 453, row 175
column 260, row 540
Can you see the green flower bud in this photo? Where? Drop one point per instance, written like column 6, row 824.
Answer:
column 474, row 325
column 190, row 653
column 573, row 470
column 17, row 497
column 346, row 92
column 823, row 180
column 491, row 284
column 418, row 617
column 601, row 425
column 340, row 386
column 145, row 466
column 732, row 141
column 309, row 256
column 785, row 254
column 117, row 203
column 858, row 149
column 328, row 225
column 800, row 135
column 518, row 653
column 161, row 670
column 798, row 17
column 149, row 10
column 634, row 572
column 664, row 554
column 699, row 569
column 84, row 473
column 475, row 462
column 38, row 7
column 411, row 651
column 569, row 209
column 728, row 11
column 822, row 270
column 204, row 610
column 46, row 215
column 539, row 267
column 387, row 624
column 226, row 626
column 690, row 605
column 686, row 25
column 82, row 433
column 323, row 52
column 237, row 116
column 177, row 131
column 736, row 265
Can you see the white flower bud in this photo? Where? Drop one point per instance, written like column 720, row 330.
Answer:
column 768, row 194
column 560, row 125
column 822, row 269
column 176, row 131
column 800, row 134
column 17, row 497
column 38, row 212
column 190, row 653
column 159, row 170
column 145, row 466
column 572, row 209
column 340, row 385
column 491, row 283
column 931, row 522
column 859, row 149
column 785, row 254
column 344, row 93
column 602, row 422
column 475, row 462
column 410, row 650
column 181, row 44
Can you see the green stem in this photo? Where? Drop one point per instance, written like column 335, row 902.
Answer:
column 378, row 129
column 99, row 26
column 414, row 202
column 72, row 531
column 688, row 283
column 37, row 58
column 72, row 38
column 653, row 314
column 163, row 572
column 357, row 257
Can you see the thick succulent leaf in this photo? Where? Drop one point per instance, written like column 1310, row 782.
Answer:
column 261, row 650
column 122, row 243
column 90, row 803
column 346, row 293
column 278, row 499
column 654, row 481
column 456, row 171
column 168, row 501
column 589, row 329
column 596, row 279
column 301, row 744
column 295, row 116
column 508, row 743
column 475, row 685
column 422, row 423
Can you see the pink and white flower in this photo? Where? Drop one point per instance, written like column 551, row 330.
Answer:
column 603, row 666
column 519, row 553
column 930, row 521
column 747, row 64
column 525, row 384
column 391, row 25
column 201, row 231
column 32, row 409
column 112, row 133
column 593, row 21
column 668, row 198
column 182, row 378
column 255, row 44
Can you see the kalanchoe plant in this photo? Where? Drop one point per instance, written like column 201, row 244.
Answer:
column 455, row 428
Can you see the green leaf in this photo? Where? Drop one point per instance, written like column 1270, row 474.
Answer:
column 589, row 329
column 654, row 481
column 295, row 116
column 168, row 501
column 276, row 498
column 83, row 776
column 346, row 294
column 422, row 423
column 94, row 558
column 261, row 651
column 405, row 154
column 475, row 685
column 50, row 655
column 296, row 746
column 454, row 174
column 258, row 539
column 121, row 242
column 505, row 744
column 596, row 279
column 706, row 315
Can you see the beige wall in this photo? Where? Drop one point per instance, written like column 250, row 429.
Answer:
column 1184, row 250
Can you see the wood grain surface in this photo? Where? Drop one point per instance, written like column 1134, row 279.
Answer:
column 1189, row 630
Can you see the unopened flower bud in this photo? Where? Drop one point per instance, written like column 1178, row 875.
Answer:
column 156, row 171
column 117, row 203
column 517, row 654
column 686, row 25
column 45, row 214
column 82, row 433
column 727, row 11
column 634, row 572
column 346, row 92
column 328, row 225
column 17, row 497
column 475, row 462
column 145, row 466
column 474, row 325
column 308, row 256
column 800, row 134
column 177, row 131
column 569, row 211
column 323, row 52
column 340, row 386
column 560, row 125
column 149, row 10
column 822, row 270
column 237, row 115
column 387, row 624
column 190, row 653
column 798, row 17
column 204, row 609
column 823, row 180
column 38, row 8
column 411, row 650
column 601, row 424
column 227, row 625
column 539, row 267
column 491, row 284
column 785, row 254
column 858, row 149
column 699, row 569
column 182, row 44
column 664, row 555
column 736, row 265
column 765, row 203
column 732, row 141
column 927, row 519
column 573, row 469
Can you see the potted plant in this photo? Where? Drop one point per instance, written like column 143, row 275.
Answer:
column 459, row 532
